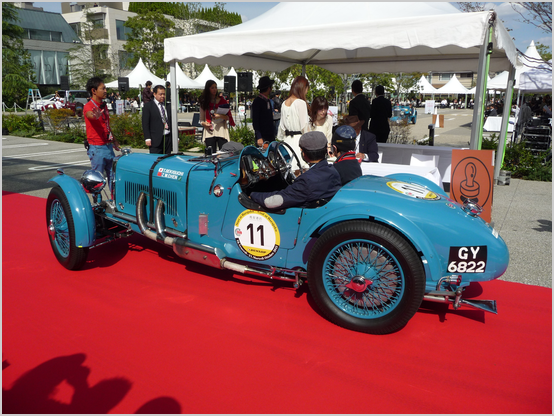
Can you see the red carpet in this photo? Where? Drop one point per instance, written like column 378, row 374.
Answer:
column 142, row 331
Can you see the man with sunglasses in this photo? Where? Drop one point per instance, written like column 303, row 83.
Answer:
column 100, row 143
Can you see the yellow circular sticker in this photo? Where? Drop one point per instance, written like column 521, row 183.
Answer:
column 414, row 191
column 257, row 235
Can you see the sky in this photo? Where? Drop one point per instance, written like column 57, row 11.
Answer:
column 522, row 33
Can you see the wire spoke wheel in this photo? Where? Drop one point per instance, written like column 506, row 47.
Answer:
column 61, row 231
column 366, row 277
column 363, row 279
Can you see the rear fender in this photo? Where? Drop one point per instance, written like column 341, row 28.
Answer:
column 81, row 209
column 382, row 215
column 419, row 180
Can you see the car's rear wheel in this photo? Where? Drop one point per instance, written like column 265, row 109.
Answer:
column 366, row 277
column 61, row 231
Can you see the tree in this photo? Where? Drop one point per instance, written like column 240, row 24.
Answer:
column 544, row 51
column 321, row 80
column 146, row 40
column 17, row 68
column 92, row 57
column 538, row 14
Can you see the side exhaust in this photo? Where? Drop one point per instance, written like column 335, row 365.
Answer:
column 455, row 297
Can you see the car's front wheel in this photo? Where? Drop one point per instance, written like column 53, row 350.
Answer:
column 61, row 231
column 366, row 277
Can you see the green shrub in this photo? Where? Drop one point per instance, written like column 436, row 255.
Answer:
column 57, row 118
column 243, row 134
column 188, row 141
column 27, row 124
column 127, row 129
column 490, row 143
column 524, row 165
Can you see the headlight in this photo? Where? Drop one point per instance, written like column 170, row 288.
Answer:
column 93, row 181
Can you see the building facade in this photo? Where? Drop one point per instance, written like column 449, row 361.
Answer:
column 110, row 35
column 48, row 38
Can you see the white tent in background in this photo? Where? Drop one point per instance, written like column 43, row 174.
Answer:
column 499, row 82
column 418, row 38
column 425, row 87
column 206, row 75
column 138, row 76
column 537, row 80
column 453, row 86
column 185, row 82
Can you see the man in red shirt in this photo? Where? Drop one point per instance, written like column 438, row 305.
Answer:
column 100, row 143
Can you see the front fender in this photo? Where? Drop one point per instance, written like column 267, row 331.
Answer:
column 81, row 209
column 386, row 216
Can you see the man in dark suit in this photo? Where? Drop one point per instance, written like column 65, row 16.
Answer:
column 366, row 144
column 262, row 113
column 381, row 111
column 156, row 123
column 359, row 105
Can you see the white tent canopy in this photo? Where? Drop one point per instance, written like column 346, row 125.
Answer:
column 352, row 38
column 531, row 59
column 537, row 80
column 425, row 87
column 206, row 75
column 453, row 86
column 138, row 77
column 185, row 82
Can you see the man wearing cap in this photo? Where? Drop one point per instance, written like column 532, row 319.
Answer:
column 343, row 144
column 320, row 181
column 366, row 143
column 262, row 113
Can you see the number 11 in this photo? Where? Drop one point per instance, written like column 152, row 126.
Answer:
column 261, row 231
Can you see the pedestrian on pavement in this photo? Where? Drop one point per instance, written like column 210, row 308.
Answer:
column 214, row 121
column 147, row 94
column 295, row 120
column 277, row 102
column 262, row 113
column 100, row 142
column 359, row 105
column 156, row 123
column 381, row 111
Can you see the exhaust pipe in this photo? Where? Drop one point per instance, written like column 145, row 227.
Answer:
column 479, row 304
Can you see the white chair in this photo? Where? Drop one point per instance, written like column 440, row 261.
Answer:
column 380, row 157
column 424, row 160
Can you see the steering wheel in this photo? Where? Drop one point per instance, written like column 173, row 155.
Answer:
column 281, row 165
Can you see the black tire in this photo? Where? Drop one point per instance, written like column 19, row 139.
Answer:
column 366, row 277
column 61, row 232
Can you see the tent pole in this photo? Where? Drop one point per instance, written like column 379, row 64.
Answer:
column 502, row 139
column 480, row 92
column 174, row 99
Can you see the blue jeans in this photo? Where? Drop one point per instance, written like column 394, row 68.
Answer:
column 101, row 159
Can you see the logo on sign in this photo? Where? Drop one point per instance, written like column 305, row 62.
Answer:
column 170, row 174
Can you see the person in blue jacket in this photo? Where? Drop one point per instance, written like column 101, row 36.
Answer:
column 321, row 180
column 344, row 146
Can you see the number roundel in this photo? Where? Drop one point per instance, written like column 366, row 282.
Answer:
column 257, row 235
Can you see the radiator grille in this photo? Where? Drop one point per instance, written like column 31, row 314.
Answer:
column 133, row 190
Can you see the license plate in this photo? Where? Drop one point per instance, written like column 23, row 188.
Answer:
column 467, row 259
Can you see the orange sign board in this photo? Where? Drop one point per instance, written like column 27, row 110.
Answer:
column 472, row 177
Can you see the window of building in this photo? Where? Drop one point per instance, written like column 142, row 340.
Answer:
column 76, row 28
column 56, row 36
column 39, row 34
column 124, row 60
column 49, row 66
column 122, row 31
column 97, row 22
column 445, row 76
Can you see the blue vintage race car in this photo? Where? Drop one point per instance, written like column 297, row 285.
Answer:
column 370, row 255
column 404, row 112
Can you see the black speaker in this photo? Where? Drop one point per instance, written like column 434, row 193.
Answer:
column 123, row 84
column 64, row 82
column 229, row 83
column 245, row 81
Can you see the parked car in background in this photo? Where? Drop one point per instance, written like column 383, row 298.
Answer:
column 404, row 112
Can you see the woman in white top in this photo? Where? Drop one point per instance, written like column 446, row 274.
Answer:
column 320, row 118
column 294, row 117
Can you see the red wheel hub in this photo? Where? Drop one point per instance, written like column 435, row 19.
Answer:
column 359, row 284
